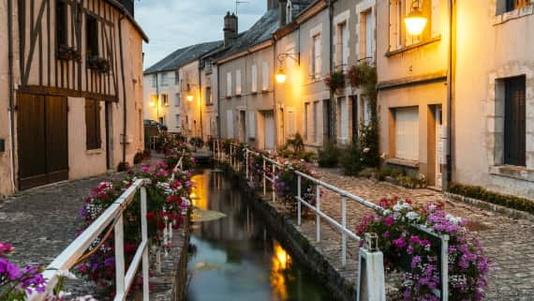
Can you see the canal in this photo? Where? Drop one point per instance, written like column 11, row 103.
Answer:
column 234, row 256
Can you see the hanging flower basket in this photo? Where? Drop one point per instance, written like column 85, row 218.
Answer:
column 362, row 74
column 335, row 81
column 98, row 64
column 67, row 53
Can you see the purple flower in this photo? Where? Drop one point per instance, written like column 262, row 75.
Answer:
column 9, row 270
column 399, row 243
column 416, row 260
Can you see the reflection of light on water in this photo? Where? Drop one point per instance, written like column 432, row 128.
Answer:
column 199, row 194
column 281, row 261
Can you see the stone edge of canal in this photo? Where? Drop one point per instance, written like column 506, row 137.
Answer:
column 300, row 248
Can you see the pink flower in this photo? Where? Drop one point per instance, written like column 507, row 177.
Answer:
column 5, row 248
column 389, row 220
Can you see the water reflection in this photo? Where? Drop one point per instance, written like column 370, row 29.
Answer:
column 236, row 258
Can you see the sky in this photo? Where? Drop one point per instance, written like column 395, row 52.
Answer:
column 173, row 24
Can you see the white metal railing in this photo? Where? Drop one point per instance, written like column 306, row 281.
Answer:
column 320, row 215
column 112, row 217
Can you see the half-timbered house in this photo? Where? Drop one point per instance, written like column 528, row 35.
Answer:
column 70, row 89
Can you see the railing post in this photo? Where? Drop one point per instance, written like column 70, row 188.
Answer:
column 264, row 179
column 144, row 237
column 273, row 176
column 343, row 233
column 444, row 268
column 119, row 258
column 317, row 216
column 299, row 197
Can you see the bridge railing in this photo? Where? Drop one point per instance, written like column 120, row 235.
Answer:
column 113, row 216
column 268, row 179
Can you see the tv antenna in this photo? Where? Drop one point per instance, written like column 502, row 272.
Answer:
column 237, row 3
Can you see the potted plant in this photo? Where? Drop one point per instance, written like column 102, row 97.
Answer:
column 335, row 81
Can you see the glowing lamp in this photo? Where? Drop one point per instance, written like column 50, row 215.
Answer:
column 152, row 103
column 280, row 76
column 189, row 98
column 415, row 22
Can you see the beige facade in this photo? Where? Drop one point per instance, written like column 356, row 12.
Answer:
column 412, row 98
column 246, row 97
column 192, row 98
column 481, row 103
column 162, row 98
column 71, row 97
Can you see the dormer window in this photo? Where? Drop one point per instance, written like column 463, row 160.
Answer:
column 289, row 12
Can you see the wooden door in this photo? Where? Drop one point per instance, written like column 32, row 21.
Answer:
column 515, row 121
column 42, row 140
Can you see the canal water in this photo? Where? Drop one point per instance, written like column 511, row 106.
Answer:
column 235, row 257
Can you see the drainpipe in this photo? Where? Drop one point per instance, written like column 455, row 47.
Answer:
column 275, row 110
column 200, row 101
column 124, row 124
column 332, row 116
column 11, row 90
column 447, row 178
column 218, row 103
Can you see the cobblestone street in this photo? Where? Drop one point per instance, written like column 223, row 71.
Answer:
column 508, row 242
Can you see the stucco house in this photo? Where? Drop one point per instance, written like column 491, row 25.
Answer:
column 70, row 90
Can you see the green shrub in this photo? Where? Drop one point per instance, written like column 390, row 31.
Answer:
column 480, row 193
column 328, row 156
column 351, row 160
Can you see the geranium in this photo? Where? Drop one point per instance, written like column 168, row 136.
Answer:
column 413, row 252
column 286, row 184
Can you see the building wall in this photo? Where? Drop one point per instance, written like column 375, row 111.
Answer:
column 209, row 111
column 6, row 176
column 45, row 74
column 154, row 107
column 478, row 121
column 413, row 75
column 189, row 110
column 255, row 103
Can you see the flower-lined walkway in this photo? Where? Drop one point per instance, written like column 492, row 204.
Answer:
column 509, row 243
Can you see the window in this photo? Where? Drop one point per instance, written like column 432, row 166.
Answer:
column 291, row 123
column 342, row 46
column 265, row 77
column 398, row 9
column 254, row 84
column 91, row 36
column 289, row 12
column 504, row 6
column 209, row 100
column 407, row 133
column 238, row 82
column 316, row 57
column 367, row 27
column 176, row 78
column 515, row 121
column 92, row 124
column 365, row 110
column 311, row 119
column 307, row 118
column 164, row 80
column 251, row 124
column 154, row 80
column 165, row 100
column 343, row 119
column 61, row 24
column 229, row 124
column 177, row 116
column 228, row 84
column 177, row 100
column 315, row 125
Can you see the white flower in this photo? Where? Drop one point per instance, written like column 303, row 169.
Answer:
column 387, row 212
column 453, row 219
column 412, row 215
column 366, row 150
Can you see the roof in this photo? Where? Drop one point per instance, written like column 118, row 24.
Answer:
column 120, row 6
column 182, row 57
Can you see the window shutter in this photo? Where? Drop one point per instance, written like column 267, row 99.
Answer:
column 228, row 84
column 238, row 82
column 251, row 124
column 229, row 124
column 92, row 124
column 407, row 134
column 254, row 87
column 265, row 77
column 291, row 122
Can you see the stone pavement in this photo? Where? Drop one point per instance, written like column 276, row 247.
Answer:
column 508, row 242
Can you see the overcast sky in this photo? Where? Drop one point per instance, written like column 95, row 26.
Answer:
column 173, row 24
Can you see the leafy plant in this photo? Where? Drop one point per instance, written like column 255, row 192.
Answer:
column 351, row 160
column 286, row 185
column 328, row 156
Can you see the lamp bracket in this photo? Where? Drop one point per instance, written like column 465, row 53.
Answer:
column 294, row 56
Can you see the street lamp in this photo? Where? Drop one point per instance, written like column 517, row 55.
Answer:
column 281, row 75
column 189, row 97
column 415, row 21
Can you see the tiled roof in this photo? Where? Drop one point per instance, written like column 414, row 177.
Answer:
column 183, row 56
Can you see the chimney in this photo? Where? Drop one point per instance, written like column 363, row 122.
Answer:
column 272, row 4
column 282, row 7
column 230, row 28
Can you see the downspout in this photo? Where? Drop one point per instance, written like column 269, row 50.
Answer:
column 332, row 116
column 11, row 90
column 275, row 110
column 200, row 101
column 450, row 98
column 124, row 124
column 218, row 103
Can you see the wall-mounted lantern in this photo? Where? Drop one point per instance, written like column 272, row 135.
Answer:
column 281, row 75
column 415, row 21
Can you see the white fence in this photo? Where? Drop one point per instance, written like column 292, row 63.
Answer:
column 341, row 226
column 111, row 217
